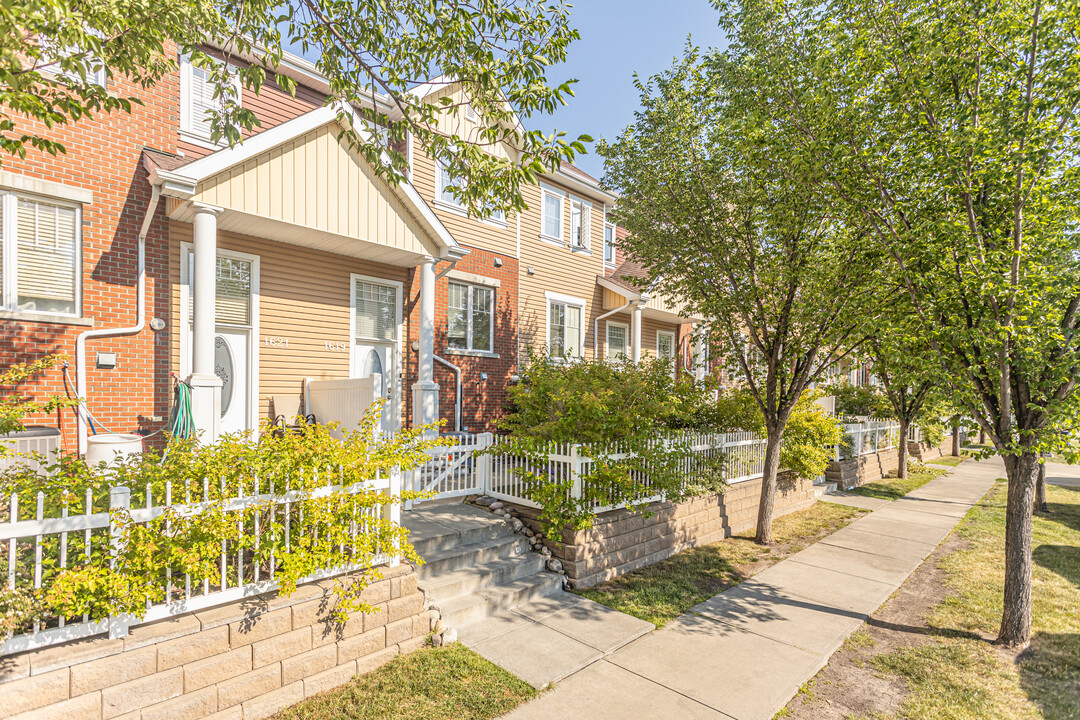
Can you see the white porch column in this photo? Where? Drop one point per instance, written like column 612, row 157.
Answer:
column 425, row 389
column 700, row 348
column 205, row 384
column 635, row 333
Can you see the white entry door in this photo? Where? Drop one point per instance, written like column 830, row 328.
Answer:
column 231, row 365
column 376, row 361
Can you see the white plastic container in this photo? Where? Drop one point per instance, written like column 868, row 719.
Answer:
column 108, row 447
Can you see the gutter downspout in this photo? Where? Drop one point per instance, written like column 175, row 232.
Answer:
column 140, row 321
column 457, row 390
column 596, row 327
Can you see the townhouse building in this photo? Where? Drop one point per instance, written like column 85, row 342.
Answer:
column 148, row 252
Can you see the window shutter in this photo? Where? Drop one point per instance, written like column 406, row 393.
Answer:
column 47, row 252
column 376, row 311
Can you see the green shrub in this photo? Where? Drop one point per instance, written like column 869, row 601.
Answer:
column 15, row 406
column 860, row 400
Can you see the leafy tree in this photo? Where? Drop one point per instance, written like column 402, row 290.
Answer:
column 860, row 400
column 373, row 54
column 952, row 128
column 724, row 215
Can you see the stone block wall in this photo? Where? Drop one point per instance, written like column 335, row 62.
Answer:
column 925, row 451
column 863, row 469
column 621, row 541
column 242, row 661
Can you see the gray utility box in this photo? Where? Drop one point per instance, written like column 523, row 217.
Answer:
column 44, row 440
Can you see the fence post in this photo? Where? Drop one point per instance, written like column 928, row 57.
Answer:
column 119, row 499
column 575, row 472
column 395, row 511
column 483, row 467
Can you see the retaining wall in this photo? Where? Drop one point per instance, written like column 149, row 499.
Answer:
column 863, row 469
column 242, row 661
column 621, row 541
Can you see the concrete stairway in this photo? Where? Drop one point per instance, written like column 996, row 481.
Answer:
column 475, row 564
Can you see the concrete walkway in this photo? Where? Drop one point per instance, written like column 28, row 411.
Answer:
column 746, row 652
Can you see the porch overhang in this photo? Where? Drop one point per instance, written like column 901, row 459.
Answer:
column 302, row 184
column 655, row 306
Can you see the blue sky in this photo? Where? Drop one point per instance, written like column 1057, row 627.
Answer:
column 617, row 40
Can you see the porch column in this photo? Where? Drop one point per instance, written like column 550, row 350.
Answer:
column 205, row 384
column 635, row 333
column 700, row 348
column 425, row 389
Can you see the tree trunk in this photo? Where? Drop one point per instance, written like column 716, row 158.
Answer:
column 902, row 450
column 956, row 441
column 1040, row 490
column 1022, row 473
column 768, row 487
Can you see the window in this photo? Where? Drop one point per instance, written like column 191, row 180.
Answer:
column 553, row 213
column 565, row 336
column 579, row 224
column 609, row 244
column 232, row 296
column 665, row 344
column 197, row 100
column 617, row 341
column 445, row 183
column 83, row 64
column 470, row 113
column 39, row 255
column 469, row 323
column 376, row 311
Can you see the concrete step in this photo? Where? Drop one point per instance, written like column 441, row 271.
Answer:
column 464, row 556
column 467, row 581
column 429, row 544
column 464, row 609
column 824, row 488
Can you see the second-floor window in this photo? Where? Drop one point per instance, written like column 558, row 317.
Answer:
column 579, row 224
column 469, row 317
column 565, row 336
column 446, row 182
column 39, row 255
column 551, row 223
column 197, row 101
column 609, row 244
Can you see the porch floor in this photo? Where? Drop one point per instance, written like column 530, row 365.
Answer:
column 432, row 523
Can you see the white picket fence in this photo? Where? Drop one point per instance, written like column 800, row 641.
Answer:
column 454, row 471
column 43, row 541
column 867, row 437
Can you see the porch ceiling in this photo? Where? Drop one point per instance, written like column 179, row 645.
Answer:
column 654, row 305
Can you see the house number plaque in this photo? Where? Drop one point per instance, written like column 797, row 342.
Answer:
column 276, row 342
column 337, row 345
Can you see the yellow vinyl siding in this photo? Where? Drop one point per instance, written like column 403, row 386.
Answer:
column 303, row 296
column 316, row 181
column 649, row 328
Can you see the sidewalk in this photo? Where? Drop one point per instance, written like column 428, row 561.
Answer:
column 744, row 653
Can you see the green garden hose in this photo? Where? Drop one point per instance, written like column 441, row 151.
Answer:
column 181, row 423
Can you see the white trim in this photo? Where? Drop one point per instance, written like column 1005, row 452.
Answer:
column 560, row 297
column 666, row 333
column 397, row 343
column 47, row 188
column 608, row 324
column 187, row 130
column 471, row 353
column 187, row 249
column 614, row 228
column 544, row 192
column 473, row 278
column 470, row 339
column 550, row 297
column 619, row 289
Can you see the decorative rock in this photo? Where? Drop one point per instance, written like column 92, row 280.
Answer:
column 437, row 640
column 529, row 532
column 484, row 501
column 497, row 505
column 439, row 627
column 517, row 524
column 506, row 514
column 554, row 565
column 450, row 636
column 546, row 552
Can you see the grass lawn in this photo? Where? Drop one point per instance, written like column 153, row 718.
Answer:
column 950, row 460
column 450, row 683
column 891, row 488
column 960, row 674
column 663, row 591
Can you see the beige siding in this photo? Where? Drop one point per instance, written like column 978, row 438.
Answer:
column 649, row 328
column 316, row 181
column 303, row 296
column 557, row 269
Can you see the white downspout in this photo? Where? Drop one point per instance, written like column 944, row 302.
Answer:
column 596, row 328
column 140, row 321
column 457, row 391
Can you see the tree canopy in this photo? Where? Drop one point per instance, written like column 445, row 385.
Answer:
column 372, row 53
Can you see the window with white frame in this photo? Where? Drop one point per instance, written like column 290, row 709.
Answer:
column 579, row 224
column 609, row 244
column 665, row 344
column 565, row 330
column 376, row 311
column 617, row 341
column 81, row 65
column 469, row 324
column 40, row 248
column 197, row 101
column 446, row 196
column 552, row 208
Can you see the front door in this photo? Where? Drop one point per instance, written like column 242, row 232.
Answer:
column 376, row 361
column 231, row 365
